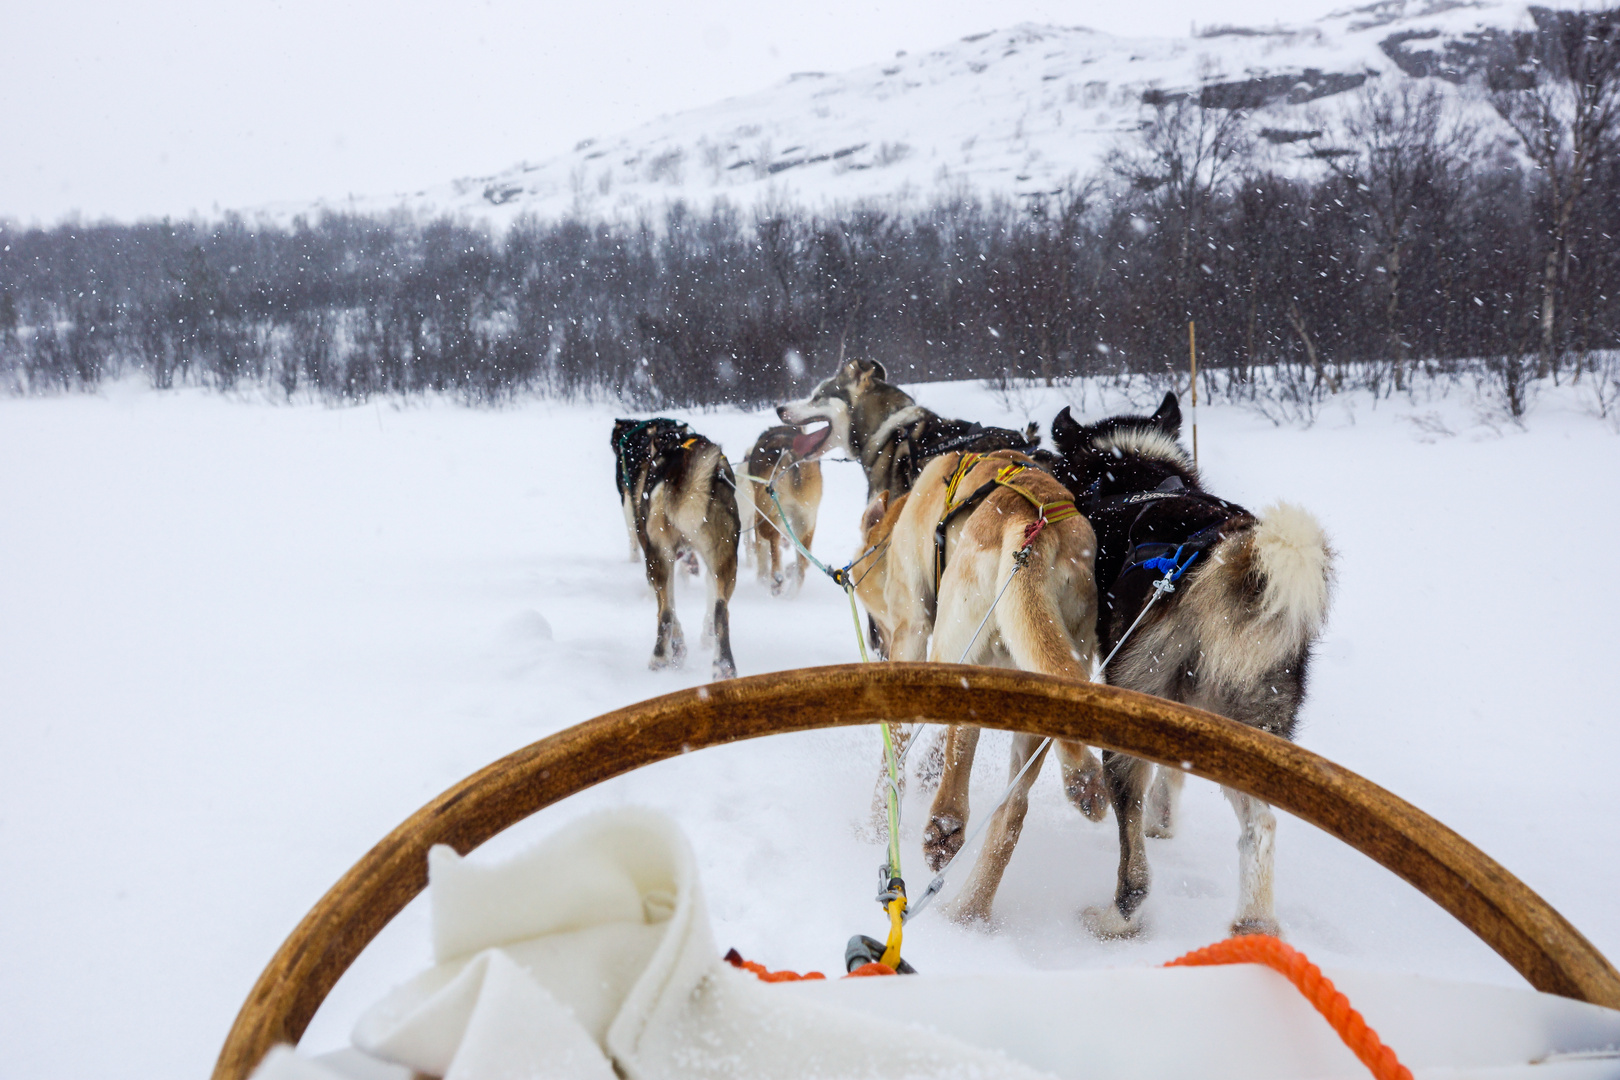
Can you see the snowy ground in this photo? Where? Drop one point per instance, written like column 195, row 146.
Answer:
column 239, row 642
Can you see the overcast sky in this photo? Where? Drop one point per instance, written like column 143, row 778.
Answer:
column 149, row 109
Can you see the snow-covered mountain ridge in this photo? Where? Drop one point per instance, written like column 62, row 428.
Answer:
column 1015, row 112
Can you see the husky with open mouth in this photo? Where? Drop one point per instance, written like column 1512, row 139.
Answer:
column 883, row 427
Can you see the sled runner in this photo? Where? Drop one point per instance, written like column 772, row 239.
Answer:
column 1504, row 913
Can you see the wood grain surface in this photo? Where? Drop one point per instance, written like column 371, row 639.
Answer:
column 1510, row 918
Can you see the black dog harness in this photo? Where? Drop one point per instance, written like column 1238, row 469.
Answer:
column 1144, row 536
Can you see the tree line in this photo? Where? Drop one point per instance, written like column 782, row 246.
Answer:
column 1401, row 236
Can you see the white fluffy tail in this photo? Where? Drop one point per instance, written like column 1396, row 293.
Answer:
column 1296, row 564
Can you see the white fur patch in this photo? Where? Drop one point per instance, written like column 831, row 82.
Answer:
column 1293, row 554
column 835, row 412
column 1148, row 442
column 894, row 420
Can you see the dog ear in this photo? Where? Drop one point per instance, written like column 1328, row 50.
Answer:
column 1064, row 429
column 869, row 370
column 874, row 513
column 1169, row 415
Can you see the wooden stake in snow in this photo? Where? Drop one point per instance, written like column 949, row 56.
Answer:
column 1192, row 352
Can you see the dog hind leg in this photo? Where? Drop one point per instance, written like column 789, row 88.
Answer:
column 807, row 536
column 977, row 895
column 1037, row 638
column 929, row 756
column 1163, row 798
column 1127, row 783
column 670, row 648
column 629, row 507
column 947, row 817
column 720, row 535
column 760, row 545
column 1256, row 847
column 776, row 558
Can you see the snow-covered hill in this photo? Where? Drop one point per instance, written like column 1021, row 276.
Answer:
column 1015, row 112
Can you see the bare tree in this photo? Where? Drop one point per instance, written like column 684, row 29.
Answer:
column 1182, row 158
column 1565, row 109
column 1398, row 152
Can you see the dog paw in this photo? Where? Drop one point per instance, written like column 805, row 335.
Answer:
column 1088, row 791
column 969, row 915
column 1257, row 924
column 1108, row 924
column 664, row 663
column 942, row 839
column 724, row 668
column 778, row 585
column 1159, row 812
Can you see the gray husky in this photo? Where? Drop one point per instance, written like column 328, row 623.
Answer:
column 883, row 427
column 1234, row 638
column 680, row 492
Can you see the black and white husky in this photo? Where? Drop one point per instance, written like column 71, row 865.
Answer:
column 680, row 496
column 1234, row 637
column 883, row 427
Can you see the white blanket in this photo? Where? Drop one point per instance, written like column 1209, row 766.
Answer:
column 590, row 956
column 592, row 950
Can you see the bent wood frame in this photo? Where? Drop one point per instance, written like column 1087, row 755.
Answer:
column 1499, row 908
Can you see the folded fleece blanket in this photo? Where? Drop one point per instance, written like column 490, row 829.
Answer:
column 590, row 957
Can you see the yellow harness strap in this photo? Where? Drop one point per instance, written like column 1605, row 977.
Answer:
column 1046, row 513
column 963, row 467
column 1052, row 512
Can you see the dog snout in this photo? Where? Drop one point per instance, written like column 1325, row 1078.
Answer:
column 782, row 413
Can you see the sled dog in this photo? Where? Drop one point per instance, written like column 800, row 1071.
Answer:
column 797, row 481
column 883, row 427
column 1045, row 620
column 680, row 493
column 1234, row 638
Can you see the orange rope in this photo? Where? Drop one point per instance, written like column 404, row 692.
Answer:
column 1307, row 978
column 734, row 958
column 1317, row 988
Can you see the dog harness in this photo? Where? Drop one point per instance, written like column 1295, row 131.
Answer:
column 623, row 450
column 1046, row 513
column 926, row 441
column 1147, row 536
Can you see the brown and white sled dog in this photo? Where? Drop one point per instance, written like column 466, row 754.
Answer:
column 682, row 496
column 1045, row 621
column 797, row 481
column 883, row 427
column 1234, row 637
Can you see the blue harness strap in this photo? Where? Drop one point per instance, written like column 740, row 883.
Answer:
column 1172, row 560
column 1170, row 566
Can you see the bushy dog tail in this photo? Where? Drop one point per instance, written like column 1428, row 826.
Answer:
column 1292, row 564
